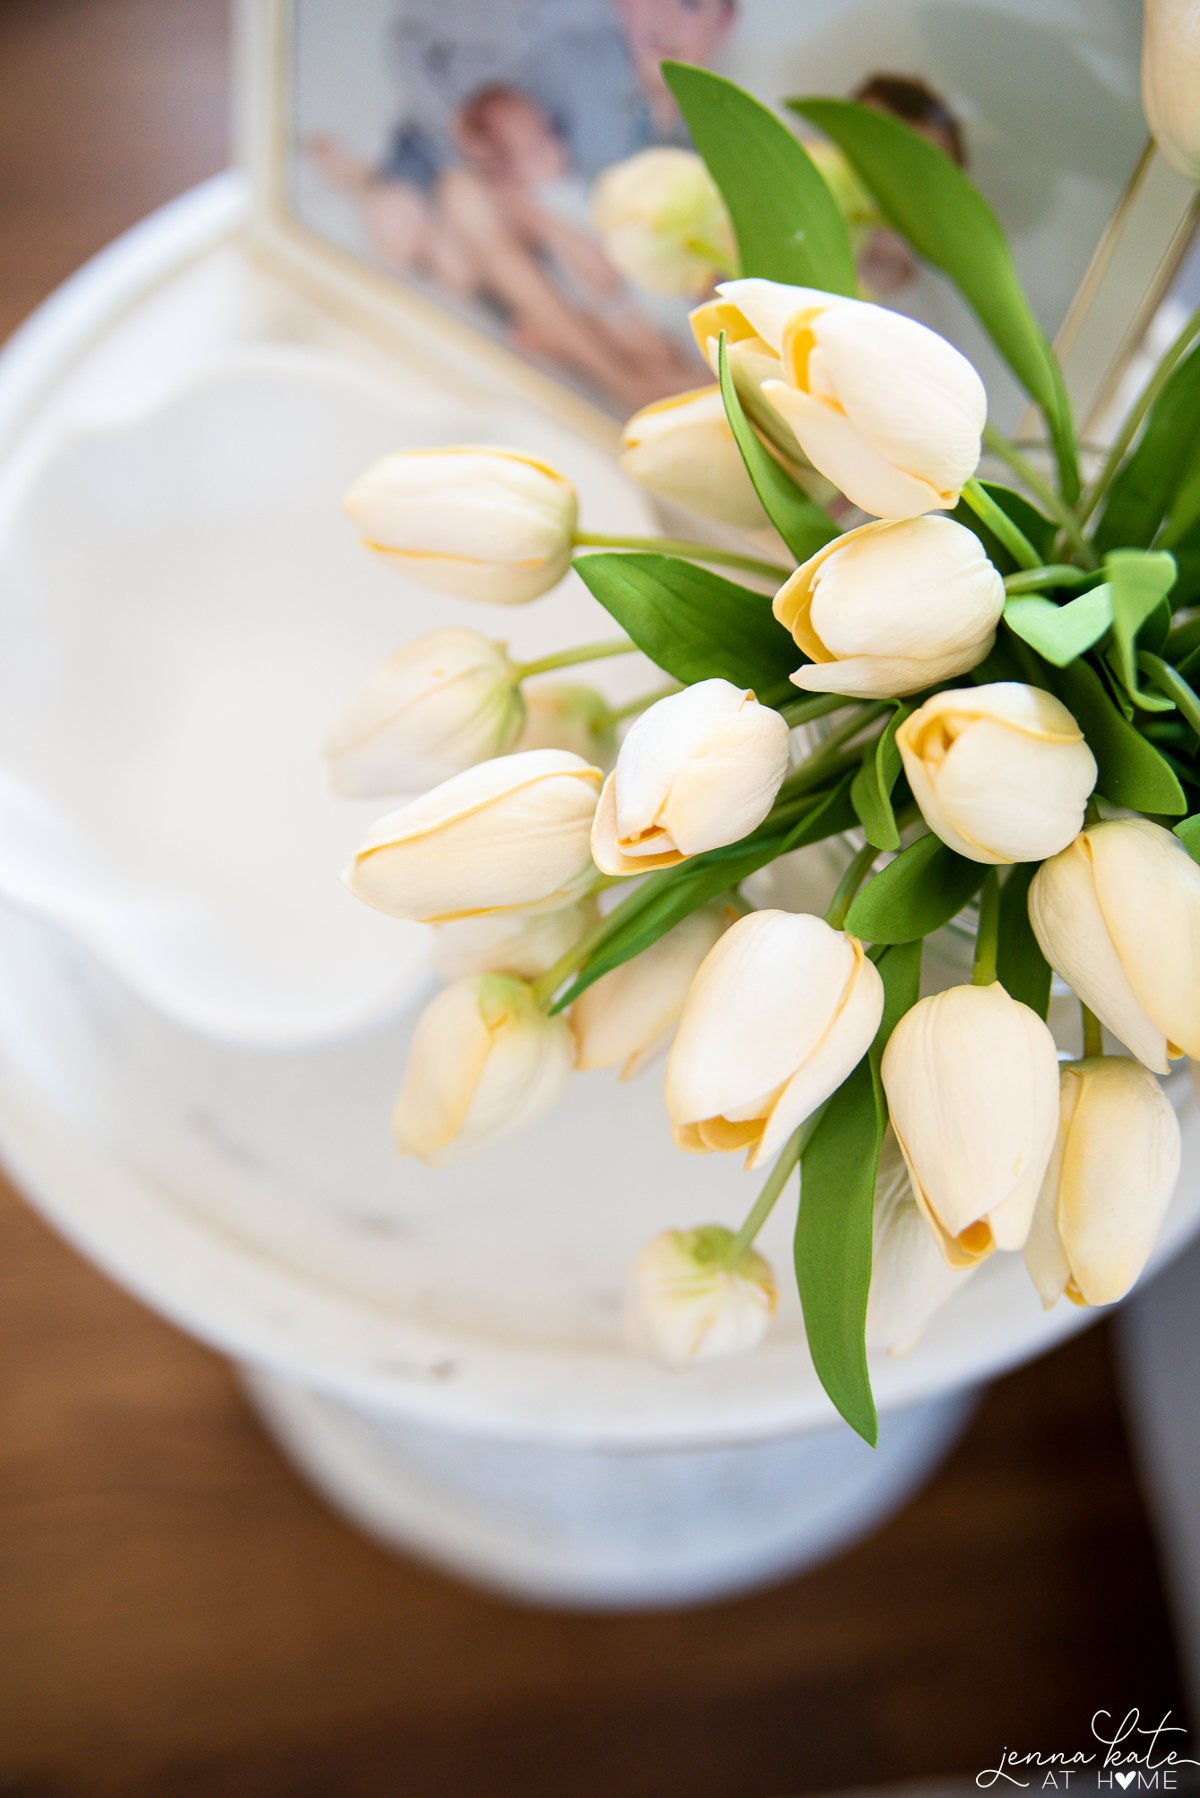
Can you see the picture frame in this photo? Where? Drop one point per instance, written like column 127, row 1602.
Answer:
column 1097, row 235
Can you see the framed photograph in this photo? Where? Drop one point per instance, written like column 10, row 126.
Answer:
column 430, row 163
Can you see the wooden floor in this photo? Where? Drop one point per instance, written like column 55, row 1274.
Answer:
column 179, row 1616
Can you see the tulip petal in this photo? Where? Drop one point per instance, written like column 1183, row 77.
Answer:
column 1148, row 889
column 863, row 474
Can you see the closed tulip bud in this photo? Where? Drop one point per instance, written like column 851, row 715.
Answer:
column 892, row 607
column 971, row 1077
column 443, row 703
column 511, row 834
column 696, row 771
column 1109, row 1182
column 568, row 715
column 910, row 1277
column 662, row 221
column 688, row 1304
column 683, row 449
column 1000, row 772
column 481, row 523
column 885, row 408
column 485, row 1061
column 781, row 1010
column 752, row 363
column 1117, row 914
column 523, row 943
column 626, row 1017
column 1171, row 81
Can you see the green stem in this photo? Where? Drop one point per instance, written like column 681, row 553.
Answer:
column 1039, row 486
column 633, row 706
column 547, row 984
column 685, row 547
column 817, row 762
column 803, row 711
column 1171, row 355
column 1051, row 574
column 1093, row 1031
column 774, row 1184
column 987, row 938
column 1001, row 525
column 856, row 872
column 568, row 658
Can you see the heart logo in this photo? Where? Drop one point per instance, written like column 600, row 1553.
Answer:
column 1124, row 1780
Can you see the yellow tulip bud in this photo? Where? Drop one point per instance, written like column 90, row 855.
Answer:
column 1117, row 914
column 662, row 221
column 687, row 1304
column 1110, row 1180
column 483, row 523
column 1001, row 772
column 485, row 1061
column 697, row 770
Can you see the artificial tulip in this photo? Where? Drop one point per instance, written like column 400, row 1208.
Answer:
column 568, row 715
column 1171, row 80
column 971, row 1077
column 683, row 449
column 910, row 1277
column 891, row 608
column 662, row 221
column 522, row 943
column 697, row 770
column 485, row 1061
column 482, row 523
column 443, row 703
column 688, row 1304
column 511, row 834
column 624, row 1019
column 1117, row 914
column 885, row 408
column 1000, row 772
column 781, row 1010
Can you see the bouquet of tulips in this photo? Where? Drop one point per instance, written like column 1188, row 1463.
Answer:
column 985, row 694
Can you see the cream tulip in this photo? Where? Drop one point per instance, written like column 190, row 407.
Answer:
column 891, row 608
column 1117, row 914
column 485, row 1061
column 568, row 715
column 752, row 363
column 971, row 1077
column 889, row 411
column 911, row 1280
column 781, row 1010
column 523, row 943
column 482, row 523
column 1108, row 1185
column 441, row 704
column 683, row 449
column 662, row 222
column 1171, row 80
column 688, row 1304
column 627, row 1017
column 1000, row 772
column 511, row 834
column 697, row 770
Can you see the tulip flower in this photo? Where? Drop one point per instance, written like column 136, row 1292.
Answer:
column 688, row 1304
column 511, row 834
column 1171, row 80
column 627, row 1016
column 662, row 221
column 568, row 715
column 971, row 1077
column 697, row 770
column 485, row 1061
column 1109, row 1182
column 1117, row 914
column 885, row 408
column 752, row 363
column 1001, row 772
column 683, row 449
column 892, row 607
column 911, row 1279
column 482, row 523
column 781, row 1010
column 443, row 703
column 523, row 943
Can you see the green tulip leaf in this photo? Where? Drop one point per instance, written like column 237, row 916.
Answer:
column 871, row 793
column 1158, row 481
column 926, row 886
column 1139, row 581
column 786, row 221
column 1023, row 970
column 694, row 624
column 930, row 202
column 804, row 527
column 1173, row 686
column 1028, row 520
column 1131, row 771
column 1189, row 835
column 1061, row 633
